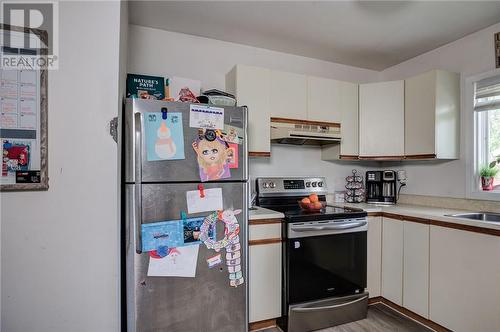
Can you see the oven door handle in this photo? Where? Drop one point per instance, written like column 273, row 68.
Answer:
column 350, row 225
column 329, row 306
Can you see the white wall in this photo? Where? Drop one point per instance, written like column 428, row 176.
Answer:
column 59, row 248
column 470, row 55
column 159, row 52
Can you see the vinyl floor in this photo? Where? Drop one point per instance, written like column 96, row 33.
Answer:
column 380, row 319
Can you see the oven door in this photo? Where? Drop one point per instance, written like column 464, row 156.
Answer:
column 325, row 259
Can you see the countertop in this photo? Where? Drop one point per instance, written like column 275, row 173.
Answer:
column 257, row 213
column 423, row 212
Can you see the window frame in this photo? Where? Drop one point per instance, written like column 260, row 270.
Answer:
column 474, row 145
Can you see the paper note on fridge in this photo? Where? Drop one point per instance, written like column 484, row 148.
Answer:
column 209, row 117
column 180, row 262
column 212, row 200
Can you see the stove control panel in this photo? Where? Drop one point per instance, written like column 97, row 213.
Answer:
column 293, row 184
column 290, row 186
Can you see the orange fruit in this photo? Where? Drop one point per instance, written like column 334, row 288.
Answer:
column 317, row 205
column 313, row 198
column 306, row 200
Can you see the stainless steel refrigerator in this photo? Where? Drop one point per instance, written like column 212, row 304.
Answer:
column 156, row 191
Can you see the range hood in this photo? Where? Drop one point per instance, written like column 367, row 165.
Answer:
column 303, row 132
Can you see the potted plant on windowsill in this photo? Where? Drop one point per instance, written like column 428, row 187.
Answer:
column 488, row 173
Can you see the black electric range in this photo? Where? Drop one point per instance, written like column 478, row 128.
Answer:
column 324, row 256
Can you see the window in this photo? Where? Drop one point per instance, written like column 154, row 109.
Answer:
column 487, row 121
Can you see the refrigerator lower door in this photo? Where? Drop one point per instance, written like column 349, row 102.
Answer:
column 138, row 113
column 206, row 302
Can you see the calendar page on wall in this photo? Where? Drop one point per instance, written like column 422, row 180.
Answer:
column 22, row 121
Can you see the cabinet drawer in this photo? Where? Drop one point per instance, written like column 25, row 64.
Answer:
column 265, row 231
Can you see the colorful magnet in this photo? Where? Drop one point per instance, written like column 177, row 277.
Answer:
column 231, row 134
column 162, row 251
column 232, row 155
column 214, row 261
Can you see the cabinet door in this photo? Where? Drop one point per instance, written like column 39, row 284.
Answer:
column 251, row 86
column 349, row 145
column 416, row 268
column 323, row 99
column 381, row 119
column 464, row 280
column 420, row 109
column 264, row 281
column 392, row 260
column 432, row 114
column 447, row 115
column 374, row 256
column 288, row 92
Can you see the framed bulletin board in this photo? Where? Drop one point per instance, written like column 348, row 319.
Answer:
column 23, row 109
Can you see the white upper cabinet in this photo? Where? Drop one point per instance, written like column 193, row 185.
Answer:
column 349, row 102
column 328, row 100
column 432, row 115
column 381, row 119
column 322, row 99
column 251, row 86
column 342, row 107
column 289, row 95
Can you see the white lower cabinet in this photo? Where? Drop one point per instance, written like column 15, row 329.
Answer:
column 392, row 260
column 416, row 268
column 374, row 256
column 264, row 279
column 464, row 280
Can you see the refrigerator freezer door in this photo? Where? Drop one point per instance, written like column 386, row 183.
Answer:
column 206, row 302
column 181, row 170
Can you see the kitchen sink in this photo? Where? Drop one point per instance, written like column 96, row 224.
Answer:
column 482, row 216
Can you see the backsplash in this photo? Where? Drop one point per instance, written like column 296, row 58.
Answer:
column 451, row 203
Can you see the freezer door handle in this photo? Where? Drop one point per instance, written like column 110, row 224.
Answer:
column 138, row 183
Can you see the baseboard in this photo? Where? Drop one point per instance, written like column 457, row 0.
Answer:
column 262, row 324
column 408, row 313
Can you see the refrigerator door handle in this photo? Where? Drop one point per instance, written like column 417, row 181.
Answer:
column 138, row 183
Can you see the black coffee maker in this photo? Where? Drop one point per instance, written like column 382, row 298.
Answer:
column 381, row 187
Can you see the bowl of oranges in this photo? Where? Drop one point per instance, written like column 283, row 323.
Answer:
column 311, row 203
